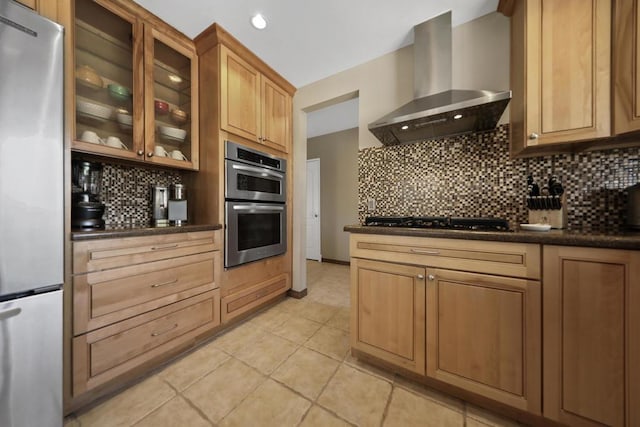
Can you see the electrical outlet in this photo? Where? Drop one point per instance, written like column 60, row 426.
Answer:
column 371, row 205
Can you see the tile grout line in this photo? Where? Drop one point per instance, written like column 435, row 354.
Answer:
column 185, row 398
column 265, row 378
column 386, row 406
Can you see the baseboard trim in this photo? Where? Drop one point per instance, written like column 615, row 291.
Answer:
column 297, row 294
column 335, row 261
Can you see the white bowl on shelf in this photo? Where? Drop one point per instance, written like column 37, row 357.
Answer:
column 124, row 120
column 172, row 133
column 94, row 111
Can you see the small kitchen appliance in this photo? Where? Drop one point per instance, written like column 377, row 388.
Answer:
column 177, row 205
column 160, row 203
column 86, row 207
column 633, row 213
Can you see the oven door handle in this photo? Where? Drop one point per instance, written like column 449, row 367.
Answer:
column 257, row 170
column 259, row 208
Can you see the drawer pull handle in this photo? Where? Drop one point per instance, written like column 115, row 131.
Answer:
column 155, row 334
column 10, row 312
column 424, row 252
column 171, row 282
column 159, row 248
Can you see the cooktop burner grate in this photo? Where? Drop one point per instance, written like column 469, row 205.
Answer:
column 450, row 223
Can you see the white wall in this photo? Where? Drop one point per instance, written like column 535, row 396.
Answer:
column 338, row 154
column 480, row 61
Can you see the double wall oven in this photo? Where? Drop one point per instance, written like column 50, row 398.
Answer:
column 255, row 205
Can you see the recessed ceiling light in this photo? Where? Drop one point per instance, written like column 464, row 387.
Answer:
column 457, row 116
column 405, row 127
column 258, row 21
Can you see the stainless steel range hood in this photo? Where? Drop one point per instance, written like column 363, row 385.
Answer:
column 438, row 110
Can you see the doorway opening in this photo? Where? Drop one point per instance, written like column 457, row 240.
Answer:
column 332, row 139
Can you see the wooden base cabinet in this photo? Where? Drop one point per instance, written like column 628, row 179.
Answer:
column 106, row 353
column 483, row 335
column 591, row 336
column 138, row 301
column 388, row 312
column 245, row 300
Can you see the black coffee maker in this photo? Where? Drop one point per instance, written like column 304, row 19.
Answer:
column 86, row 208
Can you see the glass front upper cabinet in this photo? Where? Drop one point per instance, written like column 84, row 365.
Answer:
column 108, row 81
column 171, row 107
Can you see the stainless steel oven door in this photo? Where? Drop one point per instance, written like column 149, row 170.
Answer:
column 254, row 231
column 246, row 182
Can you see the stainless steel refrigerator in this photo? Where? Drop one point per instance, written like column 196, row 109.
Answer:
column 31, row 218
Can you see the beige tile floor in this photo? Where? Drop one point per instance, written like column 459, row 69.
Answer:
column 289, row 365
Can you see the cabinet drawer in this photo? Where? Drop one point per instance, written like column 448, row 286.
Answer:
column 105, row 297
column 102, row 355
column 243, row 301
column 97, row 255
column 501, row 258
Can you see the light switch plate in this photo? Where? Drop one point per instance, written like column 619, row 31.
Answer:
column 371, row 205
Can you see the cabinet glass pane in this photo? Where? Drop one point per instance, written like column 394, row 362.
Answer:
column 104, row 76
column 172, row 102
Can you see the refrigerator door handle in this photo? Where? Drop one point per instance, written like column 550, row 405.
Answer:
column 5, row 314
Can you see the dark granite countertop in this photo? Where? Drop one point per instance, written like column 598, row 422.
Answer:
column 138, row 230
column 623, row 240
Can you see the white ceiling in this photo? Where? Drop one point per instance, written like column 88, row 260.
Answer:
column 308, row 40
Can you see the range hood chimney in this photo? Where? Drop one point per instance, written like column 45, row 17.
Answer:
column 437, row 109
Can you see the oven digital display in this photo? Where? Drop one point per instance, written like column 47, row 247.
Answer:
column 257, row 158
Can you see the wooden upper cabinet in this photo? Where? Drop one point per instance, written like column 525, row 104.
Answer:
column 240, row 96
column 483, row 335
column 46, row 8
column 123, row 65
column 388, row 312
column 171, row 101
column 560, row 72
column 251, row 105
column 591, row 335
column 109, row 85
column 31, row 4
column 626, row 56
column 276, row 115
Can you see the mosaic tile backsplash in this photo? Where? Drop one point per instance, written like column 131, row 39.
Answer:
column 126, row 193
column 472, row 175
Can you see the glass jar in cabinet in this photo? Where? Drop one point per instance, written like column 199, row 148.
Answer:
column 171, row 103
column 109, row 81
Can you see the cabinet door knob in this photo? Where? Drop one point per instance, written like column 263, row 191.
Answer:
column 140, row 153
column 432, row 277
column 420, row 277
column 150, row 154
column 259, row 138
column 533, row 135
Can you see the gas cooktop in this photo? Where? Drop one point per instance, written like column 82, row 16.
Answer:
column 438, row 222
